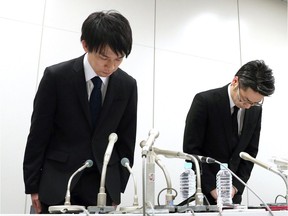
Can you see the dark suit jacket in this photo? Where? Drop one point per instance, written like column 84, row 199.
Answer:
column 208, row 132
column 61, row 137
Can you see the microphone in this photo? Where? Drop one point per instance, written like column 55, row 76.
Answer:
column 206, row 159
column 125, row 163
column 182, row 155
column 194, row 158
column 112, row 140
column 146, row 145
column 242, row 182
column 247, row 157
column 102, row 196
column 88, row 163
column 169, row 196
column 282, row 163
column 101, row 201
column 67, row 204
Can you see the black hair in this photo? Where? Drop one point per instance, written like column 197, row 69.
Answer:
column 257, row 76
column 109, row 28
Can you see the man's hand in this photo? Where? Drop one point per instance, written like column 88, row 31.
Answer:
column 214, row 193
column 36, row 203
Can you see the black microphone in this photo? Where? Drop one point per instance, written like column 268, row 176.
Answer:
column 203, row 159
column 125, row 163
column 67, row 204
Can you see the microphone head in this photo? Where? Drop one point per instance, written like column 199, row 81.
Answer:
column 142, row 143
column 113, row 137
column 154, row 132
column 209, row 160
column 244, row 155
column 89, row 163
column 124, row 161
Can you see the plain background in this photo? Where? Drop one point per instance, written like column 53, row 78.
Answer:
column 180, row 47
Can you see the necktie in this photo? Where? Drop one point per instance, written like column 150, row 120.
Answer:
column 95, row 99
column 235, row 136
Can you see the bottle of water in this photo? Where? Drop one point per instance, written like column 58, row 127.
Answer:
column 224, row 187
column 187, row 181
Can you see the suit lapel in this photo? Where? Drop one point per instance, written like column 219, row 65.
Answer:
column 112, row 90
column 81, row 89
column 225, row 112
column 249, row 123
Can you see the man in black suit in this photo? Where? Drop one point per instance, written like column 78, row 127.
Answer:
column 208, row 130
column 62, row 136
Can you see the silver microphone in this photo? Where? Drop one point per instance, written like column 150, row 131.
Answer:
column 112, row 140
column 146, row 145
column 182, row 155
column 87, row 164
column 169, row 196
column 195, row 159
column 101, row 199
column 125, row 163
column 281, row 163
column 242, row 182
column 171, row 154
column 248, row 157
column 67, row 204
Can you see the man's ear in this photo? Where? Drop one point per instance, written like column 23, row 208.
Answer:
column 84, row 45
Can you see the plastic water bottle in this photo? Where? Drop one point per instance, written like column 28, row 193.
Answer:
column 187, row 181
column 224, row 187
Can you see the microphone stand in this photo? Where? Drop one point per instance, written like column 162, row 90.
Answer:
column 246, row 156
column 144, row 183
column 169, row 196
column 125, row 163
column 101, row 198
column 67, row 207
column 240, row 180
column 199, row 197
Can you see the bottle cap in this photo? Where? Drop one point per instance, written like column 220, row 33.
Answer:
column 188, row 165
column 223, row 166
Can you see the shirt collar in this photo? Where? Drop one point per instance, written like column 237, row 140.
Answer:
column 232, row 104
column 89, row 72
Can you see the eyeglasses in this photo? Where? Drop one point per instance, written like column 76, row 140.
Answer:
column 247, row 101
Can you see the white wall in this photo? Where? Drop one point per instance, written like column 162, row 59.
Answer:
column 200, row 44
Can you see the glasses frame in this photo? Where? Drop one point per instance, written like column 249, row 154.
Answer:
column 247, row 101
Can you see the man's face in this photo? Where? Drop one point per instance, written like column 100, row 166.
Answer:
column 245, row 98
column 104, row 62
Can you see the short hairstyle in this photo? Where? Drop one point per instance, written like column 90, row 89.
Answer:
column 257, row 76
column 107, row 28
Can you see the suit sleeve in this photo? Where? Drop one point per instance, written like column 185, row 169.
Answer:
column 127, row 134
column 245, row 167
column 40, row 131
column 194, row 135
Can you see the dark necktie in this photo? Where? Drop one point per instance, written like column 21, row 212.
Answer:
column 235, row 127
column 95, row 99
